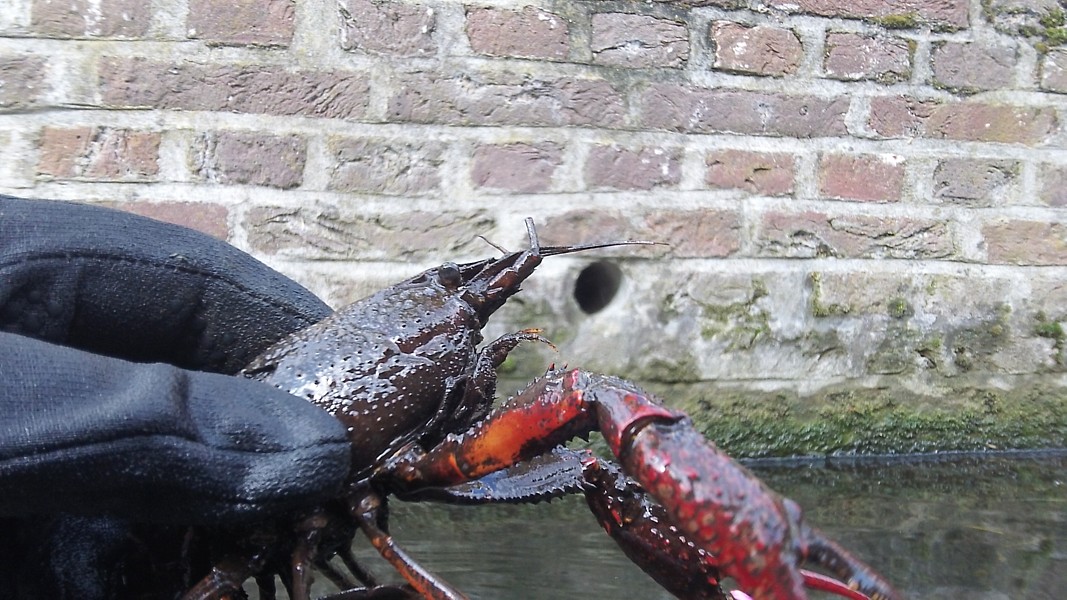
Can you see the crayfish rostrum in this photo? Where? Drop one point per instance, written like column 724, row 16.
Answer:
column 402, row 369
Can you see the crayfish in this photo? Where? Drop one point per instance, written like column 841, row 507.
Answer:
column 403, row 371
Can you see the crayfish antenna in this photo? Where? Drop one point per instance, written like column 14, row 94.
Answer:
column 536, row 248
column 500, row 248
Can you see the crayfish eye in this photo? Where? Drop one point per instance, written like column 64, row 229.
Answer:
column 449, row 276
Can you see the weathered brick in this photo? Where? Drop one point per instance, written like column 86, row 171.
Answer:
column 22, row 81
column 951, row 297
column 948, row 14
column 388, row 27
column 1021, row 242
column 99, row 154
column 851, row 56
column 704, row 233
column 1054, row 71
column 529, row 33
column 506, row 99
column 385, row 166
column 244, row 157
column 242, row 22
column 767, row 173
column 143, row 83
column 591, row 225
column 866, row 177
column 638, row 41
column 971, row 66
column 519, row 167
column 899, row 116
column 690, row 109
column 760, row 50
column 202, row 216
column 632, row 169
column 976, row 182
column 1048, row 294
column 88, row 18
column 1052, row 184
column 811, row 234
column 329, row 232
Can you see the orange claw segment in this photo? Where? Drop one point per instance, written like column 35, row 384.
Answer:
column 538, row 419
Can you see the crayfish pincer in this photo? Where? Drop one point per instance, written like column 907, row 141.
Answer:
column 403, row 370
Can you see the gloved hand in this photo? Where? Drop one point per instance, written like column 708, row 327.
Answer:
column 85, row 430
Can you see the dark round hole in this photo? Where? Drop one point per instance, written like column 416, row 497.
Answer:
column 597, row 285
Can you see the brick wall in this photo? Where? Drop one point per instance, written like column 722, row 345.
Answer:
column 863, row 199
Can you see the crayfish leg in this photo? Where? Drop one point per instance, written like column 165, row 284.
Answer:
column 227, row 576
column 365, row 509
column 827, row 553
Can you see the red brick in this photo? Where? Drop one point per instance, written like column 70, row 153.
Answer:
column 971, row 66
column 142, row 83
column 632, row 169
column 204, row 217
column 85, row 18
column 760, row 50
column 506, row 99
column 814, row 234
column 244, row 157
column 899, row 116
column 327, row 232
column 1020, row 242
column 385, row 166
column 690, row 109
column 767, row 173
column 941, row 14
column 976, row 182
column 589, row 226
column 638, row 41
column 704, row 233
column 529, row 33
column 98, row 154
column 242, row 22
column 865, row 177
column 1054, row 71
column 387, row 27
column 851, row 56
column 518, row 167
column 22, row 81
column 1052, row 184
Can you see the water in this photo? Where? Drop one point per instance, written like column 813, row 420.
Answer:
column 981, row 528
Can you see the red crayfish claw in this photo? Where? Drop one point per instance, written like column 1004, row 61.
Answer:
column 741, row 527
column 757, row 536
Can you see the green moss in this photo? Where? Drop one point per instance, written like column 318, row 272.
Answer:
column 1051, row 330
column 881, row 421
column 898, row 21
column 818, row 307
column 899, row 308
column 1053, row 18
column 740, row 323
column 671, row 371
column 1052, row 30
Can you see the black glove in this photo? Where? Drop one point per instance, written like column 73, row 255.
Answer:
column 86, row 433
